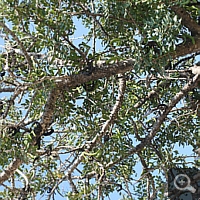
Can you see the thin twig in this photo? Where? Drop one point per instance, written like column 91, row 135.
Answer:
column 28, row 59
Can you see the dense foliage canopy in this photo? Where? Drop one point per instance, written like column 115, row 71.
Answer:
column 82, row 108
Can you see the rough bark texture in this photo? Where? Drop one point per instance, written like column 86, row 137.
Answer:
column 8, row 171
column 102, row 70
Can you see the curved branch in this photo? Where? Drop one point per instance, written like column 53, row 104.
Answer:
column 113, row 115
column 25, row 178
column 192, row 84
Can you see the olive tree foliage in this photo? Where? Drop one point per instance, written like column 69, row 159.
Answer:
column 76, row 120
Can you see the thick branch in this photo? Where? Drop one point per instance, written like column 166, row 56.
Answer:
column 187, row 20
column 10, row 170
column 187, row 48
column 49, row 108
column 101, row 70
column 7, row 90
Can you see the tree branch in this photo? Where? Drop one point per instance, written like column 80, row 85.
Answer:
column 101, row 70
column 49, row 108
column 28, row 59
column 192, row 84
column 8, row 171
column 46, row 118
column 186, row 48
column 187, row 21
column 113, row 115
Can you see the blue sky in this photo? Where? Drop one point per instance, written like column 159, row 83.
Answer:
column 79, row 33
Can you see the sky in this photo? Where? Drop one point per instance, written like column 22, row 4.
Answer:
column 79, row 33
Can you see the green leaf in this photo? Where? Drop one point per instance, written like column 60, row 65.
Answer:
column 117, row 41
column 185, row 35
column 112, row 60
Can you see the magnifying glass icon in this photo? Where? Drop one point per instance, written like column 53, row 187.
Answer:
column 182, row 182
